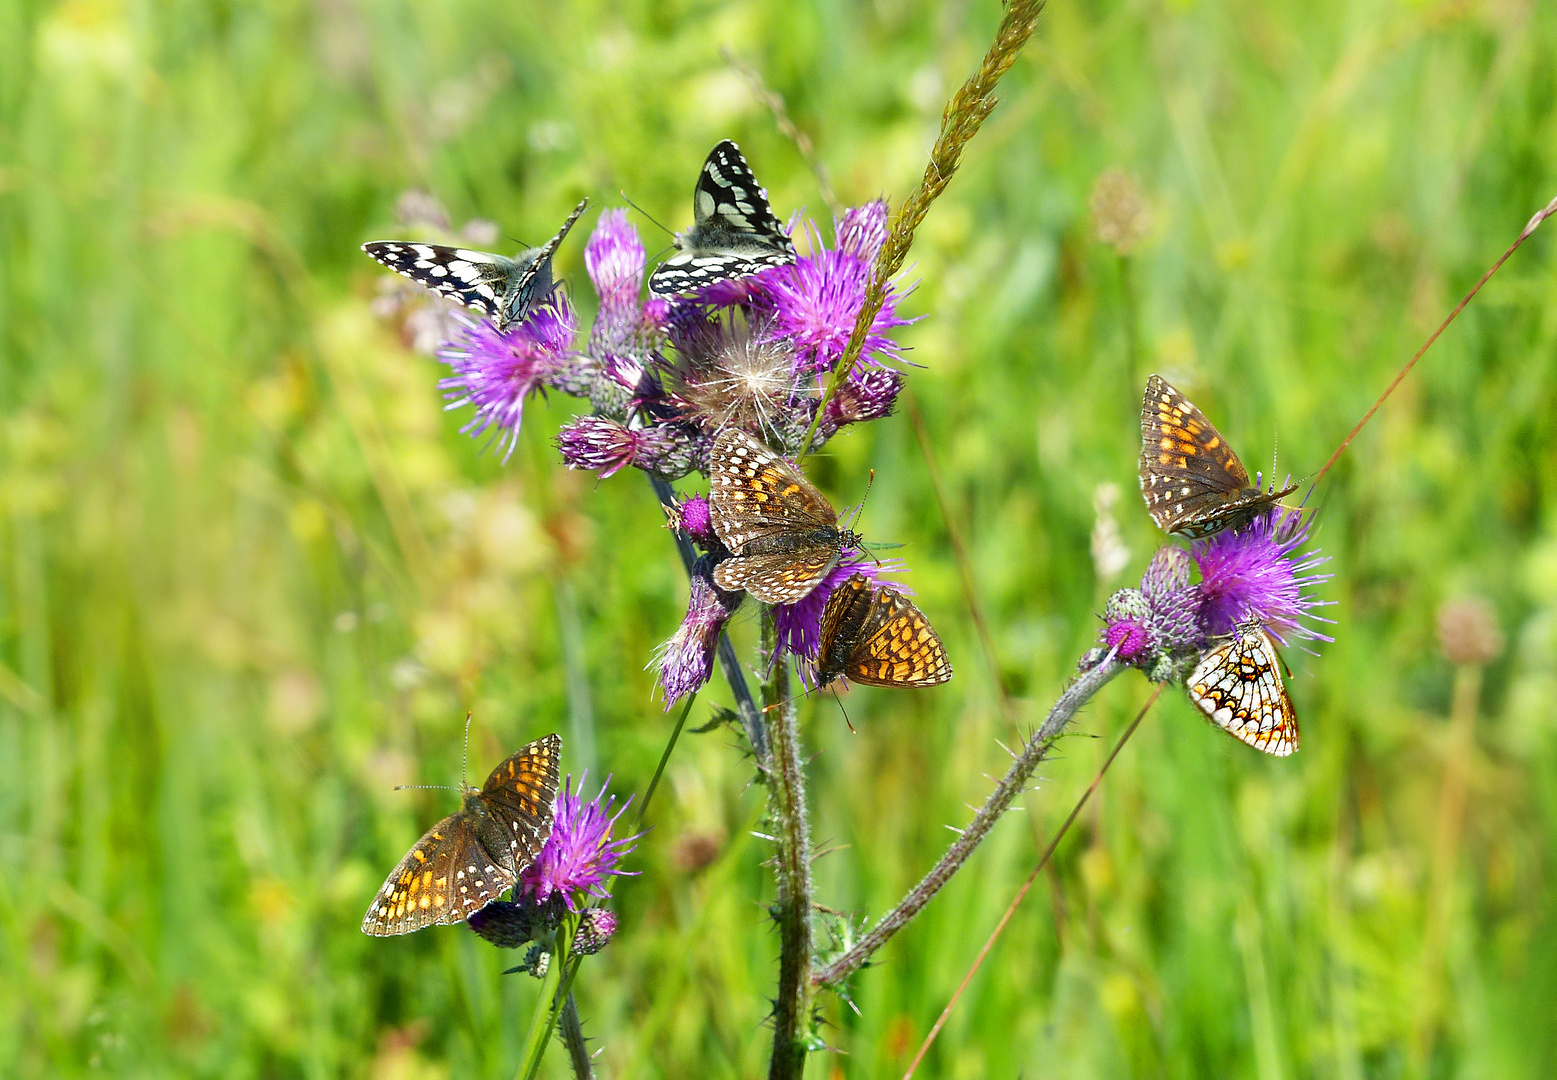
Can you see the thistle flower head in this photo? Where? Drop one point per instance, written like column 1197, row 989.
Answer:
column 1258, row 572
column 596, row 927
column 686, row 661
column 581, row 853
column 496, row 372
column 735, row 371
column 614, row 257
column 694, row 517
column 814, row 302
column 869, row 393
column 605, row 445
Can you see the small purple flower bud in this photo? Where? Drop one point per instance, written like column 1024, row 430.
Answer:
column 614, row 257
column 1175, row 603
column 1257, row 573
column 1129, row 639
column 496, row 372
column 580, row 853
column 508, row 925
column 595, row 928
column 1128, row 626
column 686, row 661
column 863, row 230
column 693, row 517
column 869, row 393
column 608, row 446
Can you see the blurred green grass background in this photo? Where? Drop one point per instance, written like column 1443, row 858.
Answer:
column 251, row 575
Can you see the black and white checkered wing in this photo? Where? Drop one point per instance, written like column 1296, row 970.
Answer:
column 478, row 280
column 734, row 231
column 500, row 288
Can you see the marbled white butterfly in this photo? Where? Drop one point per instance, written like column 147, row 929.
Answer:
column 734, row 233
column 496, row 286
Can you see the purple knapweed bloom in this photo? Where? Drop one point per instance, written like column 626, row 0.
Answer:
column 815, row 301
column 580, row 853
column 799, row 624
column 686, row 661
column 1257, row 572
column 496, row 372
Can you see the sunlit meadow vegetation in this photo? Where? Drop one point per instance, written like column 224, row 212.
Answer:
column 251, row 575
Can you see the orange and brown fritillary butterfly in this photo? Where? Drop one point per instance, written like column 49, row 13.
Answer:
column 1193, row 483
column 782, row 532
column 875, row 636
column 1238, row 686
column 472, row 857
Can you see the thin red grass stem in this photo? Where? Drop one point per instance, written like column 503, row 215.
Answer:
column 1530, row 227
column 978, row 961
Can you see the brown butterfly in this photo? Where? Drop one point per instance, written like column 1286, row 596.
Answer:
column 1191, row 480
column 875, row 636
column 782, row 532
column 473, row 856
column 1237, row 685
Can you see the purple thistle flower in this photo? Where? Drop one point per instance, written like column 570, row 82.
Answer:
column 799, row 624
column 686, row 661
column 1257, row 572
column 580, row 854
column 614, row 257
column 869, row 393
column 607, row 445
column 1129, row 638
column 693, row 516
column 596, row 927
column 496, row 372
column 815, row 301
column 863, row 230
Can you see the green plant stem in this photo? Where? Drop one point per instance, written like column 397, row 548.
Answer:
column 746, row 708
column 792, row 906
column 1077, row 694
column 572, row 1031
column 555, row 989
column 964, row 114
column 643, row 807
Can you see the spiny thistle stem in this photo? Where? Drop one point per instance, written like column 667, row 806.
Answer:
column 792, row 906
column 751, row 720
column 1011, row 785
column 940, row 1021
column 1530, row 227
column 964, row 114
column 571, row 1030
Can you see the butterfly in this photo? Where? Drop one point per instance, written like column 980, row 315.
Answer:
column 782, row 532
column 734, row 233
column 496, row 286
column 1191, row 480
column 875, row 636
column 1238, row 685
column 473, row 856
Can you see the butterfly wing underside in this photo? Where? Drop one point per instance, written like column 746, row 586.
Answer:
column 780, row 529
column 734, row 231
column 1238, row 686
column 879, row 638
column 520, row 793
column 443, row 879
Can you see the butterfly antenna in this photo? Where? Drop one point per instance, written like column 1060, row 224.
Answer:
column 645, row 213
column 860, row 509
column 421, row 787
column 845, row 712
column 465, row 755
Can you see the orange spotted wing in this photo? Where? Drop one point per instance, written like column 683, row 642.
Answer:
column 782, row 532
column 472, row 857
column 1237, row 685
column 1191, row 480
column 875, row 636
